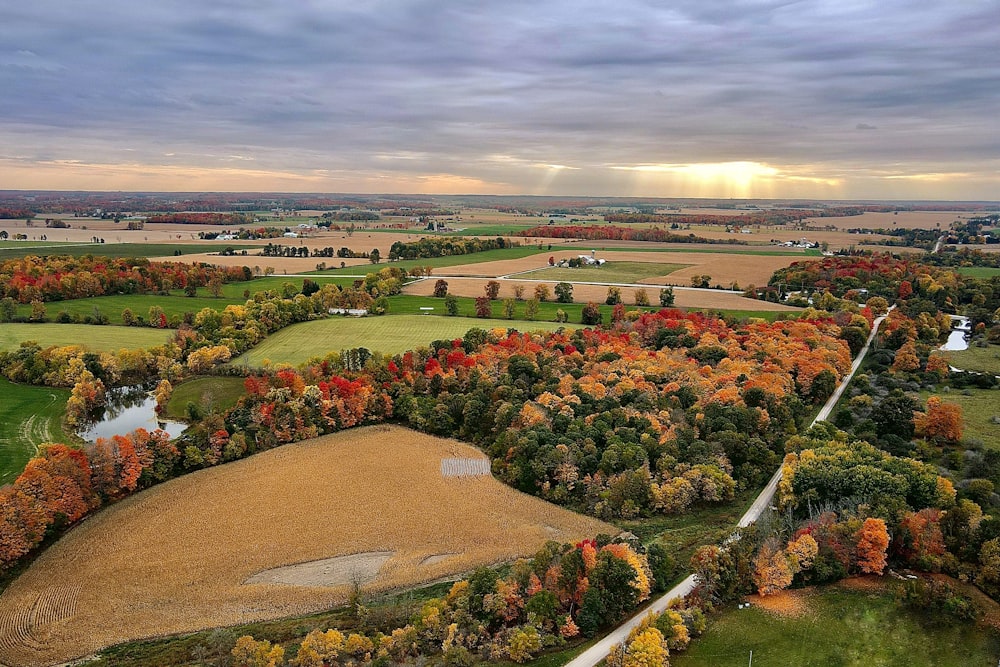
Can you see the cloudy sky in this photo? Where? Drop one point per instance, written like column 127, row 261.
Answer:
column 884, row 99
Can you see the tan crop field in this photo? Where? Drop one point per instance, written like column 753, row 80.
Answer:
column 281, row 533
column 723, row 267
column 684, row 298
column 903, row 219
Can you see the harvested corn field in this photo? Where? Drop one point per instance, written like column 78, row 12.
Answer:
column 684, row 298
column 281, row 533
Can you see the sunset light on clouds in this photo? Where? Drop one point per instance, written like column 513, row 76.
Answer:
column 762, row 99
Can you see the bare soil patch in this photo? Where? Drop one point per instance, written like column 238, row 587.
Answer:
column 683, row 298
column 337, row 571
column 178, row 557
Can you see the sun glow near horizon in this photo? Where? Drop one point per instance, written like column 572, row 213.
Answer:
column 734, row 179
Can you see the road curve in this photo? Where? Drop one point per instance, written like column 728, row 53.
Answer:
column 597, row 653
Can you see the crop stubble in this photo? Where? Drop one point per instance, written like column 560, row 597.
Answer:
column 176, row 557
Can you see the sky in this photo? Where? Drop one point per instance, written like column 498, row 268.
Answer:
column 839, row 99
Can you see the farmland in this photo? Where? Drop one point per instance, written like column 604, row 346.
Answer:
column 978, row 271
column 978, row 359
column 180, row 556
column 724, row 268
column 685, row 298
column 29, row 416
column 979, row 408
column 389, row 335
column 97, row 338
column 619, row 272
column 837, row 626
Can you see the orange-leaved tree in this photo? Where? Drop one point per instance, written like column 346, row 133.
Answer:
column 873, row 540
column 940, row 422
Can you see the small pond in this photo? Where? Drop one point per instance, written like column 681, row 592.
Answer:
column 957, row 338
column 127, row 409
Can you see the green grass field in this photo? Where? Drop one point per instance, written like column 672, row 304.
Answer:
column 389, row 334
column 42, row 248
column 29, row 416
column 978, row 409
column 98, row 338
column 611, row 272
column 841, row 628
column 176, row 303
column 210, row 394
column 978, row 359
column 978, row 271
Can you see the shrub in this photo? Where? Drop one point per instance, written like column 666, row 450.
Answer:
column 484, row 308
column 451, row 305
column 441, row 288
column 564, row 293
column 614, row 296
column 641, row 298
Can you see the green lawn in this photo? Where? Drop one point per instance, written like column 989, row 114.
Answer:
column 176, row 303
column 98, row 338
column 29, row 416
column 611, row 272
column 25, row 248
column 842, row 628
column 978, row 410
column 978, row 271
column 210, row 394
column 979, row 359
column 389, row 334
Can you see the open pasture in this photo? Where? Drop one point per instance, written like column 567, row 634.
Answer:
column 979, row 407
column 210, row 394
column 215, row 547
column 97, row 338
column 855, row 622
column 389, row 334
column 29, row 416
column 978, row 359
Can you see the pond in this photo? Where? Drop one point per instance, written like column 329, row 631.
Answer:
column 957, row 338
column 127, row 409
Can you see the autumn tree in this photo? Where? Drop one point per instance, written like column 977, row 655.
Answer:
column 564, row 292
column 591, row 314
column 542, row 292
column 484, row 308
column 873, row 541
column 940, row 422
column 531, row 309
column 492, row 290
column 771, row 572
column 251, row 653
column 906, row 358
column 441, row 288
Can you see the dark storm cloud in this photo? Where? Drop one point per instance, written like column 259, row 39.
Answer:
column 487, row 90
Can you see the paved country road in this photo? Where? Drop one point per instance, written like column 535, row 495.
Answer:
column 597, row 653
